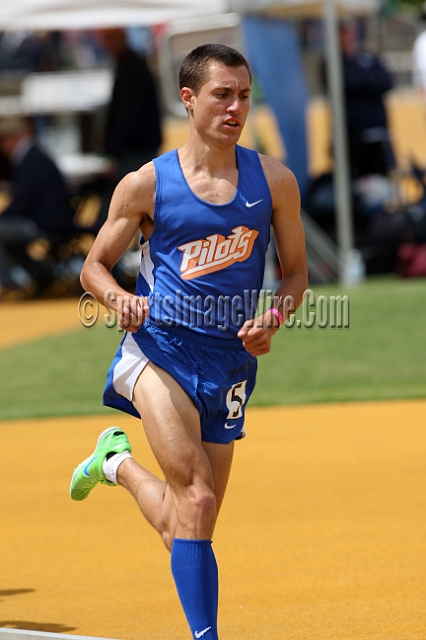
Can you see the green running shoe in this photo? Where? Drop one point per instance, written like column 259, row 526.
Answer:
column 90, row 471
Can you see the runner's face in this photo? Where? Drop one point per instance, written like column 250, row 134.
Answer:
column 220, row 109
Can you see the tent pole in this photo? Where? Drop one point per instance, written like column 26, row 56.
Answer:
column 342, row 190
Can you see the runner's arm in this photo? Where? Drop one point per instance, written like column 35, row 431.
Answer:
column 132, row 206
column 290, row 245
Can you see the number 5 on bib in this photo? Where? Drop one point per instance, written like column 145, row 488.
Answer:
column 235, row 399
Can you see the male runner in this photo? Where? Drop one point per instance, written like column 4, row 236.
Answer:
column 187, row 363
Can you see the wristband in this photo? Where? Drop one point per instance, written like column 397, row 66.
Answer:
column 278, row 314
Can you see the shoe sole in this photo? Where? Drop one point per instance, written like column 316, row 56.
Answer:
column 82, row 464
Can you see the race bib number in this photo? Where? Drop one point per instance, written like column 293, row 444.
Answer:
column 235, row 399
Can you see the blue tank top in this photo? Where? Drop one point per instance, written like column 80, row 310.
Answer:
column 203, row 265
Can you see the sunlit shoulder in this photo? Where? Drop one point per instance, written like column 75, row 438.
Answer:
column 281, row 180
column 136, row 190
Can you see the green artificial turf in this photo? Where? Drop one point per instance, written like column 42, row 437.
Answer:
column 60, row 375
column 380, row 356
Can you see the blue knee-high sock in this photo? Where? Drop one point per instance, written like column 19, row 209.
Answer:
column 195, row 574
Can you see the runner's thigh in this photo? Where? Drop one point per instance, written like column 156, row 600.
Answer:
column 172, row 426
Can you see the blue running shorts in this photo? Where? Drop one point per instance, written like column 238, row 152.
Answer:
column 218, row 375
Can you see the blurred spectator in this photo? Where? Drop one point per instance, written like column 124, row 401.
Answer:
column 366, row 80
column 371, row 159
column 82, row 50
column 5, row 168
column 419, row 58
column 50, row 51
column 38, row 51
column 39, row 206
column 133, row 123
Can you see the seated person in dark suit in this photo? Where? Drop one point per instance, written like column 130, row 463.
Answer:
column 39, row 205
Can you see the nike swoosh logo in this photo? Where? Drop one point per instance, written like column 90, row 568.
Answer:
column 86, row 468
column 201, row 633
column 230, row 426
column 249, row 205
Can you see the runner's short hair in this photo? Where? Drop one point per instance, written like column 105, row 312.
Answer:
column 194, row 70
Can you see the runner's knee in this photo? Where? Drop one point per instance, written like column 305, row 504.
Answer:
column 197, row 510
column 197, row 506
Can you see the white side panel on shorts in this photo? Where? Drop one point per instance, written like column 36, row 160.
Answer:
column 128, row 368
column 147, row 266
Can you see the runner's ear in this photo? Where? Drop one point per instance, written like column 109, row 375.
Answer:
column 187, row 96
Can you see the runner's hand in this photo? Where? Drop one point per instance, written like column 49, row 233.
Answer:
column 133, row 311
column 256, row 334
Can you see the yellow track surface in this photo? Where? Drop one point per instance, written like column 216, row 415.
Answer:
column 23, row 321
column 322, row 535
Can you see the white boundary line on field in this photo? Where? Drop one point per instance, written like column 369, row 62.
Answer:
column 14, row 634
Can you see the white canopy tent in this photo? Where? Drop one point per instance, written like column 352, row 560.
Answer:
column 287, row 8
column 87, row 14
